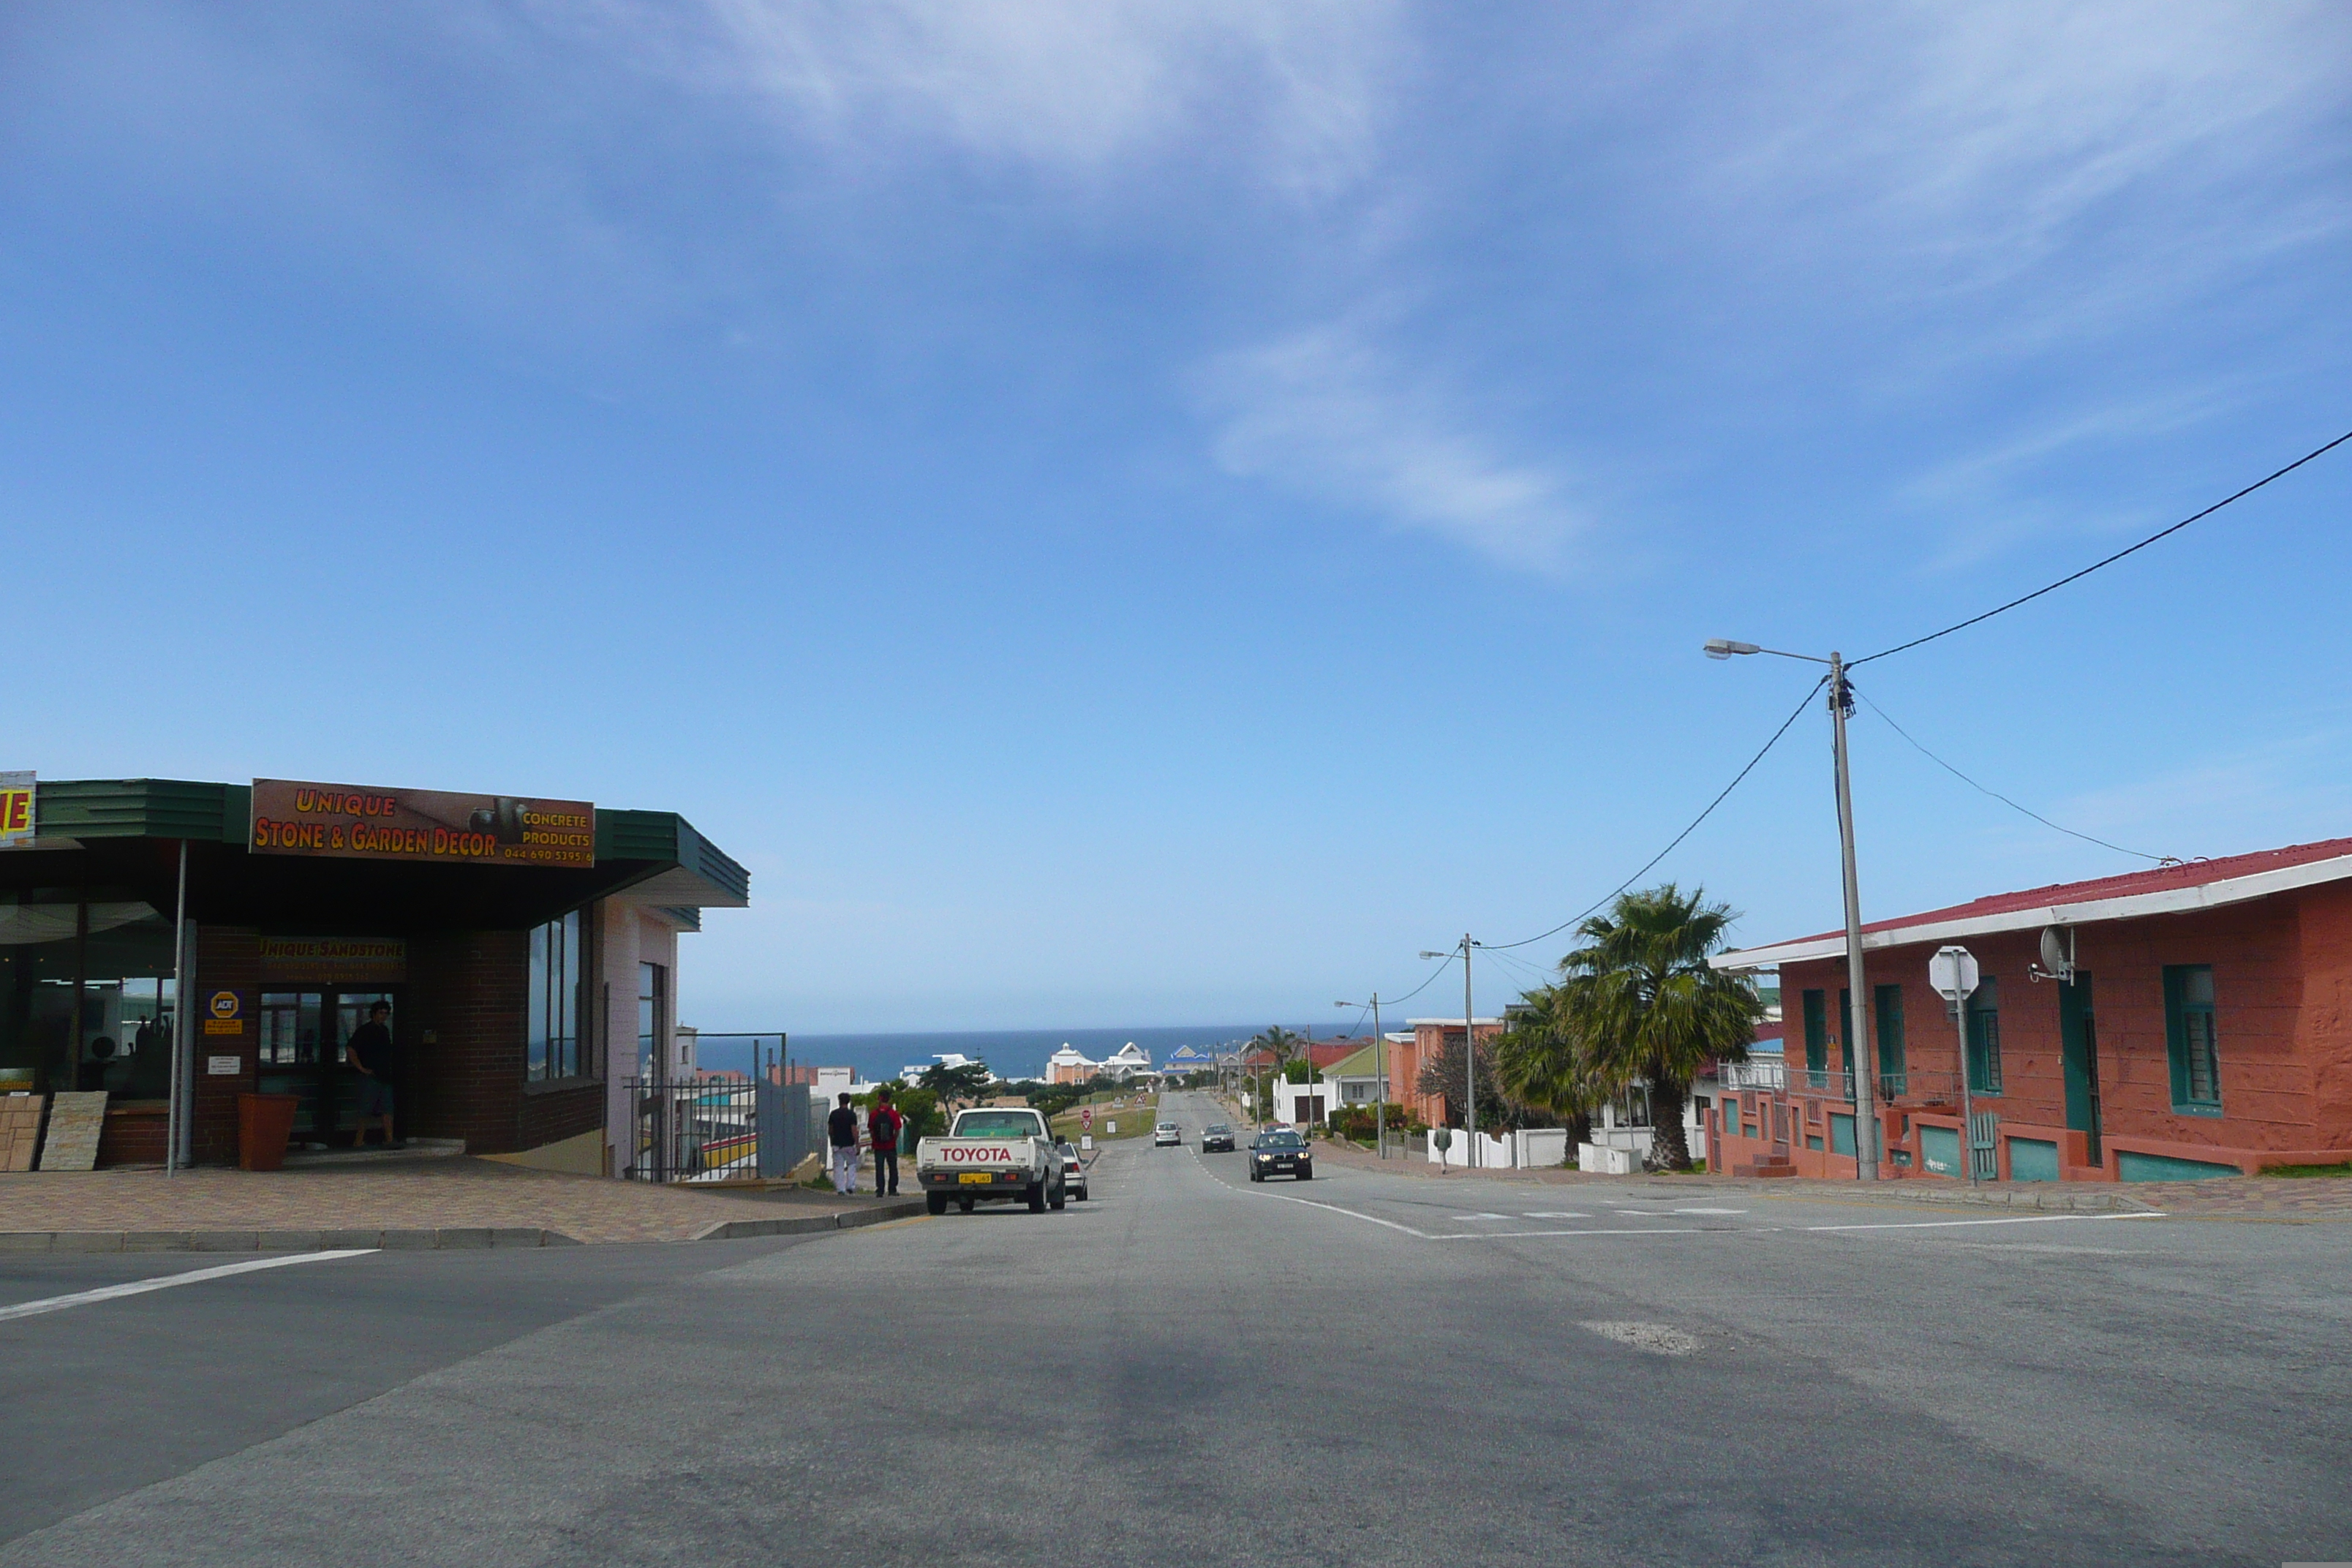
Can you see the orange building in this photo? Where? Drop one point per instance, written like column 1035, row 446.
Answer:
column 2189, row 1020
column 1427, row 1043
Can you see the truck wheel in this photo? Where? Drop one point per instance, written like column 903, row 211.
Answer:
column 965, row 1204
column 937, row 1203
column 1036, row 1197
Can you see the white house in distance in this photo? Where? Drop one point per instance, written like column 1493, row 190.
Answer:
column 913, row 1071
column 1070, row 1065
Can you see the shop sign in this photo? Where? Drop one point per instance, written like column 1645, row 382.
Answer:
column 17, row 823
column 329, row 959
column 348, row 822
column 225, row 1012
column 224, row 1066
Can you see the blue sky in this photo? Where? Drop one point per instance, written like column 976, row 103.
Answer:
column 1129, row 514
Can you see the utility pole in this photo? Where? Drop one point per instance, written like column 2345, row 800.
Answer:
column 1380, row 1082
column 1857, row 1023
column 1469, row 1056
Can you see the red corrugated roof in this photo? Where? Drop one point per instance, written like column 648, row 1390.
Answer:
column 2155, row 879
column 1324, row 1055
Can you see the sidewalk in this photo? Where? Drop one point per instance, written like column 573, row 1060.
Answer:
column 421, row 1203
column 2316, row 1198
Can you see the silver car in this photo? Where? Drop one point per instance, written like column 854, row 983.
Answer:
column 1073, row 1171
column 1167, row 1135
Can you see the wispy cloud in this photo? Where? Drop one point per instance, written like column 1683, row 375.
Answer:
column 1324, row 413
column 1068, row 87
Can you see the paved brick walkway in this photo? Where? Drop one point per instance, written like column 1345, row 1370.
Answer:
column 2227, row 1197
column 412, row 1196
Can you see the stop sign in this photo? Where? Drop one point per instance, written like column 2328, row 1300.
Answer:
column 1087, row 1116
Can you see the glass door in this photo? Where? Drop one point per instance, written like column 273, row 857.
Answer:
column 291, row 1061
column 351, row 1010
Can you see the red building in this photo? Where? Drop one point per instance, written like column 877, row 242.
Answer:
column 2206, row 1029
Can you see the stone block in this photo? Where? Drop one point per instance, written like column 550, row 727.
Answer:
column 86, row 1241
column 224, row 1240
column 464, row 1236
column 154, row 1241
column 76, row 1120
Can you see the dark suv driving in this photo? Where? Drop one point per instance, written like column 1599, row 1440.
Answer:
column 1217, row 1136
column 1280, row 1154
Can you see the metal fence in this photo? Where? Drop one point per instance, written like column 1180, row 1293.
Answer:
column 716, row 1129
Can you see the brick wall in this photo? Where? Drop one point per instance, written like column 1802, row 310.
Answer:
column 228, row 958
column 469, row 992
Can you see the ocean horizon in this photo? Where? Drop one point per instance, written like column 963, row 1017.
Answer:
column 1010, row 1053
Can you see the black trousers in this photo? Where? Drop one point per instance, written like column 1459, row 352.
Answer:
column 886, row 1168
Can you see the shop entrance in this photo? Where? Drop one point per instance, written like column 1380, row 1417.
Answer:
column 303, row 1033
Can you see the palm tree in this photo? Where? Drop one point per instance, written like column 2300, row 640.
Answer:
column 1282, row 1045
column 1641, row 1001
column 1540, row 1063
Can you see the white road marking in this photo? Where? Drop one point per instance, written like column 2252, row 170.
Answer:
column 1554, row 1214
column 165, row 1281
column 2006, row 1219
column 1710, row 1211
column 1482, row 1216
column 1614, row 1230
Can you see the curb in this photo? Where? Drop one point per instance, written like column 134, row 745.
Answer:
column 808, row 1224
column 451, row 1239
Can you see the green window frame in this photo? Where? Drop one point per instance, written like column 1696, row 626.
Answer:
column 1888, row 1000
column 1984, row 1037
column 1817, row 1031
column 2191, row 1040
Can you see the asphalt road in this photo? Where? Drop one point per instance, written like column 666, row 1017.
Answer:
column 1362, row 1369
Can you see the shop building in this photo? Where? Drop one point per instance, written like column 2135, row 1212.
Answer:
column 527, row 950
column 2185, row 1021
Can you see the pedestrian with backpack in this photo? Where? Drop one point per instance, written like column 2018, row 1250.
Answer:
column 841, row 1132
column 882, row 1125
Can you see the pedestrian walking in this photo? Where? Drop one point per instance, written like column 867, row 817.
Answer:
column 841, row 1132
column 372, row 1055
column 882, row 1125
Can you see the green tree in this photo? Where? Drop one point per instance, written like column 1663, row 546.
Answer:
column 953, row 1085
column 1640, row 1002
column 1539, row 1061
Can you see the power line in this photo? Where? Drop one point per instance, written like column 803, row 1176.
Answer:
column 2119, row 555
column 1391, row 1001
column 1686, row 833
column 1996, row 794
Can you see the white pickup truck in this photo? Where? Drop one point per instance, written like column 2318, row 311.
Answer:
column 992, row 1154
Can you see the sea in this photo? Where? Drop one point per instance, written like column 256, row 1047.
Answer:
column 1009, row 1053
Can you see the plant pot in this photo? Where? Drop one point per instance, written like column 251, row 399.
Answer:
column 264, row 1122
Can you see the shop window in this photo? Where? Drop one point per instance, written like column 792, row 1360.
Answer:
column 554, row 1041
column 653, row 984
column 1984, row 1037
column 2189, row 1035
column 86, row 998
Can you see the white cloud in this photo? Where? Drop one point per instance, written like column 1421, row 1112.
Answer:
column 1323, row 413
column 1070, row 87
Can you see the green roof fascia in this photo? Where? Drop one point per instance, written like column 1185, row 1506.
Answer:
column 665, row 836
column 1355, row 1064
column 142, row 808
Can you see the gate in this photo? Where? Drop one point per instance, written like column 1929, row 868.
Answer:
column 718, row 1124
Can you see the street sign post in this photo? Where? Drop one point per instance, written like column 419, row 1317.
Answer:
column 1953, row 972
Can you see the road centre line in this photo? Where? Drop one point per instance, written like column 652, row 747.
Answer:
column 165, row 1281
column 2006, row 1219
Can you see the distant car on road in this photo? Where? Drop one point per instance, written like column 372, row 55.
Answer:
column 1280, row 1154
column 1167, row 1135
column 1073, row 1171
column 1216, row 1137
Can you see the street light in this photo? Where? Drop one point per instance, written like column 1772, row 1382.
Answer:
column 1379, row 1074
column 1857, row 1023
column 1469, row 1049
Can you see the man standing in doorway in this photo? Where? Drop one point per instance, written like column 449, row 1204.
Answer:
column 882, row 1124
column 841, row 1132
column 370, row 1051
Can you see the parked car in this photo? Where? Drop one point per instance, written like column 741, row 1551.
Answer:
column 1167, row 1135
column 992, row 1154
column 1280, row 1154
column 1073, row 1171
column 1216, row 1138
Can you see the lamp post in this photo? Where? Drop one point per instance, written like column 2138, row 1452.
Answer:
column 1379, row 1074
column 1858, row 1050
column 1469, row 1051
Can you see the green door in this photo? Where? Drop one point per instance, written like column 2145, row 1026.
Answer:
column 2078, row 1037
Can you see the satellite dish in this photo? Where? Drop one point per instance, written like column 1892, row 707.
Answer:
column 2057, row 954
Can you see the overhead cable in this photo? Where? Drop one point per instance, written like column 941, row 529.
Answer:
column 2119, row 555
column 1677, row 838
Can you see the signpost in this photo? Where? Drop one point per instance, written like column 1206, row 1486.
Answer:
column 1953, row 972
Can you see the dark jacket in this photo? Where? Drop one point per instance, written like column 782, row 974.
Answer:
column 841, row 1128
